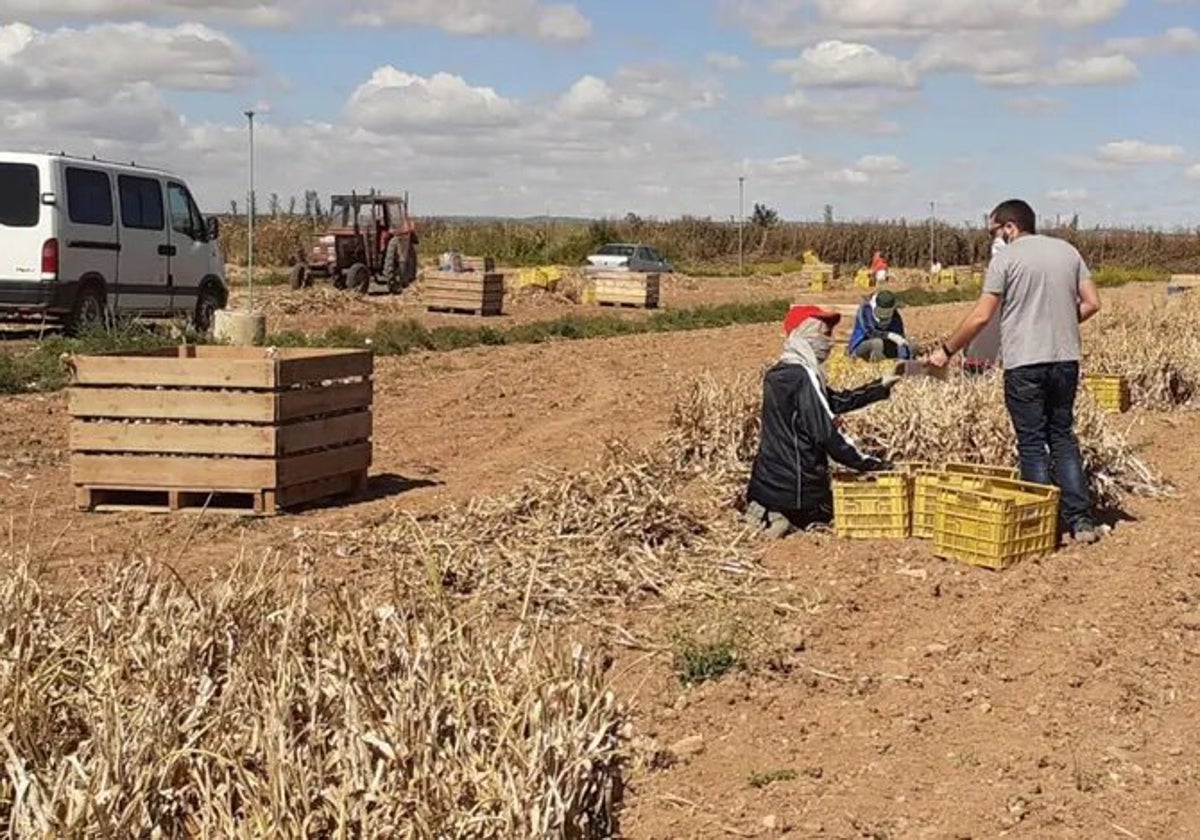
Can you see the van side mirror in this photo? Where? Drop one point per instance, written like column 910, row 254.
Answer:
column 214, row 228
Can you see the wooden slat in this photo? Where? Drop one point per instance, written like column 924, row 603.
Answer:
column 459, row 300
column 323, row 488
column 134, row 471
column 498, row 294
column 302, row 469
column 462, row 290
column 133, row 403
column 319, row 368
column 174, row 439
column 329, row 431
column 328, row 400
column 189, row 373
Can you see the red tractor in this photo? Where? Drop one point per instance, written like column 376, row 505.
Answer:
column 370, row 238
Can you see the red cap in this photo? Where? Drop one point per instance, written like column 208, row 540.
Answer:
column 798, row 314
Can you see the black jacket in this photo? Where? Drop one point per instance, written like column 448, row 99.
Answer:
column 798, row 438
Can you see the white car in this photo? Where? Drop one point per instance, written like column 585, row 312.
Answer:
column 621, row 256
column 83, row 239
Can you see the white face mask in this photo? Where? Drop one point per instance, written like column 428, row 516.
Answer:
column 821, row 345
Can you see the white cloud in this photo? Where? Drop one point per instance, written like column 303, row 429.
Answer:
column 393, row 100
column 869, row 170
column 1097, row 70
column 637, row 92
column 881, row 165
column 791, row 22
column 559, row 22
column 1035, row 104
column 786, row 166
column 847, row 65
column 1193, row 172
column 270, row 13
column 724, row 61
column 1067, row 196
column 593, row 98
column 846, row 110
column 985, row 55
column 1178, row 40
column 551, row 22
column 936, row 15
column 184, row 57
column 1138, row 153
column 667, row 86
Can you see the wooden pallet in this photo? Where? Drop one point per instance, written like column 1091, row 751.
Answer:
column 250, row 429
column 632, row 289
column 468, row 293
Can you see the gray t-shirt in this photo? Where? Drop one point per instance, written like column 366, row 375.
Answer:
column 1037, row 279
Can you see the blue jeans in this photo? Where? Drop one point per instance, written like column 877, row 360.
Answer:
column 1041, row 403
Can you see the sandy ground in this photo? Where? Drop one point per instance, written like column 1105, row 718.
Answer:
column 921, row 698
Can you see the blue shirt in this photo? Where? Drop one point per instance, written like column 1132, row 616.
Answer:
column 867, row 326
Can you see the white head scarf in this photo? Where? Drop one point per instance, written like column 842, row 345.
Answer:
column 807, row 345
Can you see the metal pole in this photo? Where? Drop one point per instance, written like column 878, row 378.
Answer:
column 932, row 245
column 741, row 224
column 250, row 222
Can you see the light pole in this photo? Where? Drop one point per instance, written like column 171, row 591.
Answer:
column 932, row 244
column 250, row 221
column 741, row 224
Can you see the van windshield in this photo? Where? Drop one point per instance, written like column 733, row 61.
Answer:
column 20, row 201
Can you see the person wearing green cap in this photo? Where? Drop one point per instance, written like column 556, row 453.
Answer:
column 879, row 330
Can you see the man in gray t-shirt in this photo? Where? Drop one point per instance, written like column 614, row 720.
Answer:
column 1043, row 291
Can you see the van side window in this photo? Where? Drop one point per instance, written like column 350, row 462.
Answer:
column 141, row 203
column 20, row 203
column 89, row 197
column 185, row 218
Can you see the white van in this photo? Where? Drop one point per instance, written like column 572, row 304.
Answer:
column 83, row 240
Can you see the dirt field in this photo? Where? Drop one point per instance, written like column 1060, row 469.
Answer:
column 322, row 306
column 920, row 698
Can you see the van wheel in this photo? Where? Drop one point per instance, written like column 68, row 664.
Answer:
column 358, row 279
column 207, row 305
column 88, row 312
column 299, row 277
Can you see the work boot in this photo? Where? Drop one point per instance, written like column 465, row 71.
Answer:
column 778, row 526
column 1085, row 532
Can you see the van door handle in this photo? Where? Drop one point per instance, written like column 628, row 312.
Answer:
column 166, row 250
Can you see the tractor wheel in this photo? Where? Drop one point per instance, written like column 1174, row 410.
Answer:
column 299, row 277
column 358, row 279
column 339, row 278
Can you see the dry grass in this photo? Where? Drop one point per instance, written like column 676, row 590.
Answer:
column 137, row 708
column 714, row 431
column 569, row 542
column 1156, row 350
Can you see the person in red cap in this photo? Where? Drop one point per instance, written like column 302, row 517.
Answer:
column 789, row 484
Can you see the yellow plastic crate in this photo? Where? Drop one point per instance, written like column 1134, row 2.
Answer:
column 863, row 279
column 925, row 483
column 871, row 506
column 1111, row 392
column 997, row 525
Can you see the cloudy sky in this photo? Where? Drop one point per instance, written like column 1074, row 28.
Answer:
column 602, row 107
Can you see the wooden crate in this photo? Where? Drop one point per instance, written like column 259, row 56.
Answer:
column 470, row 293
column 626, row 289
column 228, row 428
column 479, row 265
column 817, row 276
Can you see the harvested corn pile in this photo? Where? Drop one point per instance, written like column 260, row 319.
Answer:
column 568, row 541
column 1157, row 351
column 962, row 419
column 137, row 708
